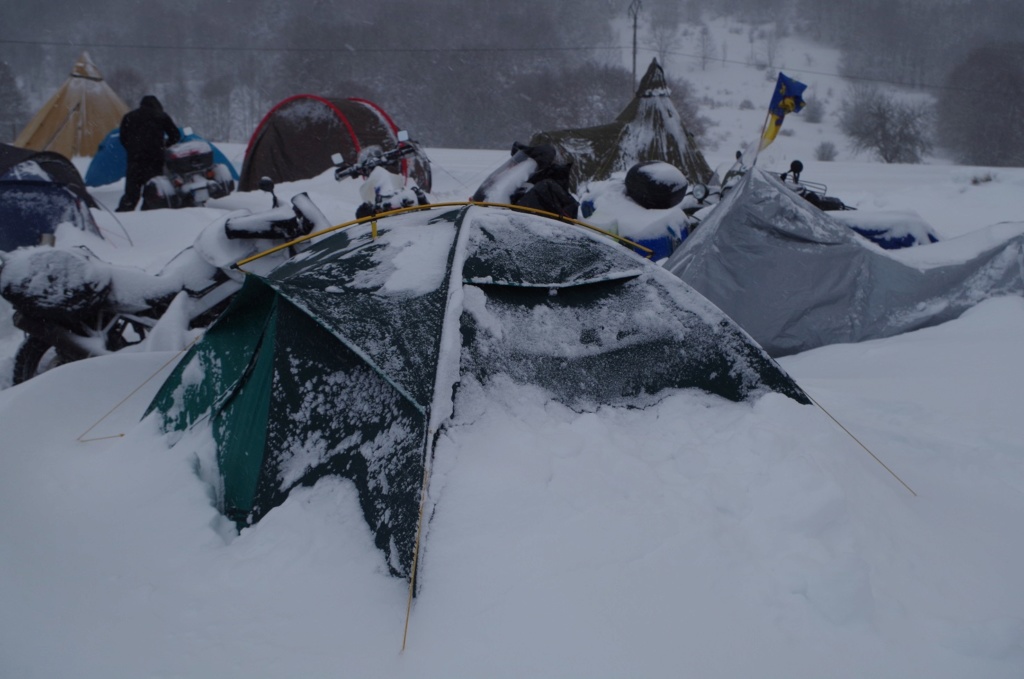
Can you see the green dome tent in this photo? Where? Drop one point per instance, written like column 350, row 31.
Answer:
column 346, row 359
column 649, row 128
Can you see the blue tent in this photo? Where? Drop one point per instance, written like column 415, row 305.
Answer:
column 110, row 162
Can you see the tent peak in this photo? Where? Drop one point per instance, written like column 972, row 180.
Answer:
column 85, row 68
column 653, row 84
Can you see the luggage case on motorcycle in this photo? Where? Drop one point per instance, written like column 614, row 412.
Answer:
column 189, row 156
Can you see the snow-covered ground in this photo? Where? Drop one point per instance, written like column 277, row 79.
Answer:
column 697, row 537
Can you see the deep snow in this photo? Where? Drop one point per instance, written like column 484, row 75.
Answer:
column 697, row 537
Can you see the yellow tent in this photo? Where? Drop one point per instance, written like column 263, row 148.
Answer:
column 77, row 118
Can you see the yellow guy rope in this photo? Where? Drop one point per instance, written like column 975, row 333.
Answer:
column 81, row 437
column 417, row 208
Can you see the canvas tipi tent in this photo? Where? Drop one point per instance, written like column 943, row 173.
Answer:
column 347, row 359
column 298, row 136
column 796, row 279
column 77, row 118
column 649, row 128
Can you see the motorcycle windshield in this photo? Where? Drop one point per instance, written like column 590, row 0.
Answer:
column 500, row 184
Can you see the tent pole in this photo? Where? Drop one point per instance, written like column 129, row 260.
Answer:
column 415, row 555
column 760, row 137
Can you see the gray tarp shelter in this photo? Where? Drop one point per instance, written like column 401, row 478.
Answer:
column 649, row 128
column 796, row 279
column 346, row 359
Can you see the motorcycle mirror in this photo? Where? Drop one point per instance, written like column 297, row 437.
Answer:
column 337, row 159
column 266, row 184
column 402, row 135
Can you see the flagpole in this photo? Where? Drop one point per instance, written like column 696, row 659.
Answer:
column 760, row 137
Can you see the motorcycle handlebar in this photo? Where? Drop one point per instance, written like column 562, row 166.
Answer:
column 272, row 225
column 367, row 165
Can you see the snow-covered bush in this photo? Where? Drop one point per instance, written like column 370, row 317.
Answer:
column 825, row 151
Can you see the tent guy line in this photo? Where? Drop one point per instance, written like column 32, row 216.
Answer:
column 81, row 437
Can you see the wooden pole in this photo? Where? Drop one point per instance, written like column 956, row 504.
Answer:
column 634, row 11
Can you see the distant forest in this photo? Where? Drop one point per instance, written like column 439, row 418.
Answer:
column 458, row 73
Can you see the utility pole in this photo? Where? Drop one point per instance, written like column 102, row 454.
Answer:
column 634, row 11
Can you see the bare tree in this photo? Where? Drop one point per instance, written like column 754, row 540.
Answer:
column 897, row 131
column 982, row 106
column 771, row 47
column 663, row 27
column 663, row 37
column 13, row 107
column 706, row 47
column 129, row 84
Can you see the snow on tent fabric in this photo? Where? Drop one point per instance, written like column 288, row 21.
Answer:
column 345, row 360
column 649, row 128
column 111, row 160
column 795, row 278
column 298, row 136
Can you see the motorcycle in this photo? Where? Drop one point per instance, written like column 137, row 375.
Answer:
column 890, row 230
column 535, row 177
column 384, row 188
column 813, row 192
column 650, row 208
column 72, row 305
column 190, row 179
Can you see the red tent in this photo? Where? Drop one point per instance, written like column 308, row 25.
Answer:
column 297, row 138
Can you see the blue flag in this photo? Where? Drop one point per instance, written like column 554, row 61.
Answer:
column 787, row 98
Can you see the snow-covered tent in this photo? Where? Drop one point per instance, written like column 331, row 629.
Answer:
column 649, row 128
column 39, row 190
column 795, row 278
column 111, row 160
column 77, row 117
column 345, row 360
column 298, row 136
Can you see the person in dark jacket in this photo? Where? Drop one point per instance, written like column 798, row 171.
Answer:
column 145, row 132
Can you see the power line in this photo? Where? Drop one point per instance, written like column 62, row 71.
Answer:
column 476, row 50
column 327, row 50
